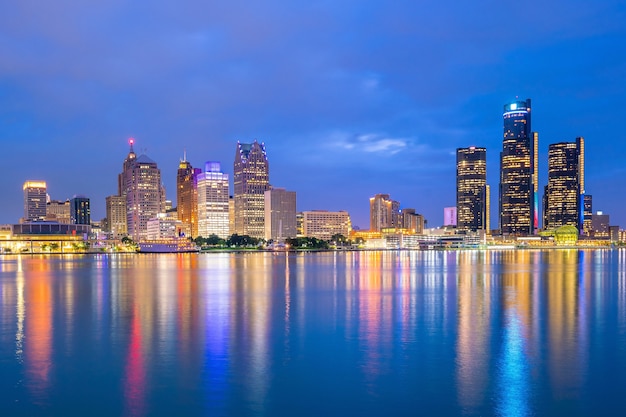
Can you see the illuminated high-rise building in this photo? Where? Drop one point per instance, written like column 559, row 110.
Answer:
column 471, row 189
column 80, row 212
column 187, row 195
column 34, row 201
column 251, row 179
column 563, row 198
column 213, row 212
column 518, row 172
column 384, row 213
column 116, row 215
column 280, row 214
column 140, row 184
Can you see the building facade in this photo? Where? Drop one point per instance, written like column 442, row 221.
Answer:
column 251, row 181
column 162, row 227
column 140, row 183
column 518, row 172
column 471, row 189
column 80, row 213
column 587, row 214
column 116, row 215
column 563, row 197
column 412, row 221
column 58, row 211
column 35, row 199
column 323, row 224
column 449, row 216
column 384, row 212
column 187, row 195
column 280, row 214
column 213, row 209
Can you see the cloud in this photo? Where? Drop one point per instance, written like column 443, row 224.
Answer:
column 369, row 143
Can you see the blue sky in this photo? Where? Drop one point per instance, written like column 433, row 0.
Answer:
column 351, row 98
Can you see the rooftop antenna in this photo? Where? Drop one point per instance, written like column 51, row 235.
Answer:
column 131, row 142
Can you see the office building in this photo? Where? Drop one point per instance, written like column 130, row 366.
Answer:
column 449, row 216
column 280, row 214
column 471, row 189
column 518, row 172
column 564, row 192
column 140, row 184
column 322, row 224
column 187, row 195
column 600, row 225
column 384, row 213
column 80, row 212
column 162, row 227
column 251, row 181
column 35, row 200
column 116, row 215
column 587, row 214
column 58, row 211
column 213, row 210
column 412, row 221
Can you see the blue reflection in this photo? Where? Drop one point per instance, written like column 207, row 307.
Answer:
column 513, row 369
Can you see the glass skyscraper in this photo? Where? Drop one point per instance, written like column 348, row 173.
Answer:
column 564, row 192
column 518, row 172
column 251, row 180
column 471, row 189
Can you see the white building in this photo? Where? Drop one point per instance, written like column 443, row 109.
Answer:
column 213, row 206
column 162, row 227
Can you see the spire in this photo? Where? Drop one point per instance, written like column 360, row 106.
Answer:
column 131, row 142
column 184, row 155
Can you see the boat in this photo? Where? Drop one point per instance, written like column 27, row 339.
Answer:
column 167, row 246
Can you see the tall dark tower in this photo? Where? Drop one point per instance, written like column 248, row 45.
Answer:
column 518, row 172
column 251, row 179
column 564, row 193
column 471, row 188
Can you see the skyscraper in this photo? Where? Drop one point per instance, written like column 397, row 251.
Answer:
column 251, row 180
column 140, row 183
column 187, row 195
column 213, row 218
column 471, row 188
column 384, row 212
column 587, row 214
column 518, row 172
column 79, row 210
column 280, row 214
column 35, row 199
column 565, row 189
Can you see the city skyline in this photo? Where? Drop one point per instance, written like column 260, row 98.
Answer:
column 368, row 106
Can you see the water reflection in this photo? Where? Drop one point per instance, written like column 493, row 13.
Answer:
column 470, row 332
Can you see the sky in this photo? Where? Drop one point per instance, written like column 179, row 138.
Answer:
column 351, row 98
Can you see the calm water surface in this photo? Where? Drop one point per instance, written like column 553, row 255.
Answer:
column 507, row 333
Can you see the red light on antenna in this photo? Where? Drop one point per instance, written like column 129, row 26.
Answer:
column 131, row 141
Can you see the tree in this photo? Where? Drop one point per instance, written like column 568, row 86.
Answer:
column 215, row 240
